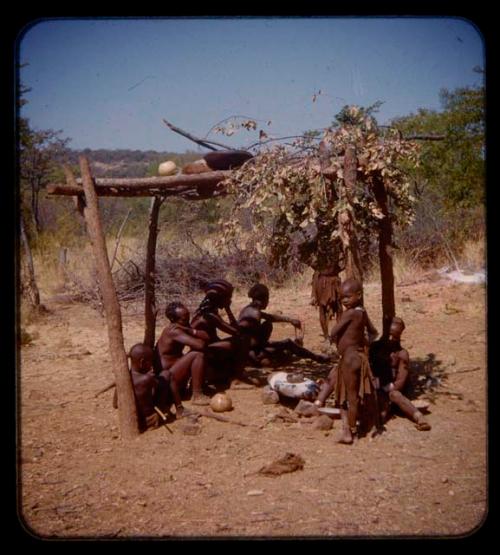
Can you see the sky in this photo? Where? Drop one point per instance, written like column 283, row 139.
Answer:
column 108, row 83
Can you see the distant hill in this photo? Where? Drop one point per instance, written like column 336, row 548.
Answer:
column 129, row 163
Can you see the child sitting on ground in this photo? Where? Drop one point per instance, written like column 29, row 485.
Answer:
column 177, row 367
column 390, row 363
column 145, row 385
column 258, row 326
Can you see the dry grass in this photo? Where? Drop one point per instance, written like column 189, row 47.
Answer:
column 80, row 272
column 473, row 257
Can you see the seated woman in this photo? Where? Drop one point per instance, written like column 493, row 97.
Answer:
column 258, row 326
column 173, row 366
column 225, row 357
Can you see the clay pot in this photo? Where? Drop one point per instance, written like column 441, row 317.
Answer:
column 221, row 402
column 167, row 168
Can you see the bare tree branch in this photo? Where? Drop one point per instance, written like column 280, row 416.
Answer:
column 201, row 142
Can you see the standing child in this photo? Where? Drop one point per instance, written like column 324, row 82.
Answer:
column 352, row 379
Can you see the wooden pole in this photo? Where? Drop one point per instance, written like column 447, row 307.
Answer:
column 114, row 186
column 353, row 268
column 119, row 236
column 149, row 280
column 126, row 401
column 33, row 292
column 385, row 256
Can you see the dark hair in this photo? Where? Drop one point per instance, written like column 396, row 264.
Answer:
column 220, row 287
column 399, row 321
column 258, row 291
column 139, row 350
column 171, row 310
column 352, row 284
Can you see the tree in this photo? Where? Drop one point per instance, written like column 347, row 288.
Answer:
column 296, row 194
column 454, row 168
column 312, row 202
column 450, row 181
column 41, row 152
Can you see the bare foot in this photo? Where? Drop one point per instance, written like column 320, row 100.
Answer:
column 182, row 412
column 346, row 437
column 423, row 426
column 200, row 399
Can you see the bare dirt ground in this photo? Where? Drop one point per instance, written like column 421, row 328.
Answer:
column 77, row 478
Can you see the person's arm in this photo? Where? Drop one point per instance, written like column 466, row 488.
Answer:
column 345, row 319
column 403, row 370
column 222, row 325
column 401, row 374
column 232, row 320
column 190, row 339
column 372, row 330
column 279, row 318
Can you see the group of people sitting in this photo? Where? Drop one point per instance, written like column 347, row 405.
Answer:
column 160, row 375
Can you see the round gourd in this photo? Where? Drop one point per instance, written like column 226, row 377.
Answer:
column 221, row 402
column 167, row 168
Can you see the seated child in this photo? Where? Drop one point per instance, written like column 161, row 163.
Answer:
column 226, row 357
column 175, row 367
column 390, row 363
column 145, row 385
column 258, row 326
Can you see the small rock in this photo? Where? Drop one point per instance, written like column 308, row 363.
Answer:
column 306, row 408
column 451, row 492
column 255, row 492
column 444, row 480
column 375, row 520
column 323, row 422
column 269, row 396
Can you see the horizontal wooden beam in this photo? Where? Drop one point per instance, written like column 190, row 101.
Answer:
column 202, row 184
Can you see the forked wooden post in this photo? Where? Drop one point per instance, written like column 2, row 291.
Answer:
column 149, row 281
column 353, row 267
column 126, row 401
column 385, row 256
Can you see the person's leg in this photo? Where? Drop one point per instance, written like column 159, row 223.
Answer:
column 297, row 350
column 179, row 375
column 351, row 367
column 409, row 410
column 164, row 394
column 265, row 331
column 323, row 320
column 327, row 387
column 198, row 365
column 241, row 350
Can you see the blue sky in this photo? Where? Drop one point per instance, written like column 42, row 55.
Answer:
column 107, row 83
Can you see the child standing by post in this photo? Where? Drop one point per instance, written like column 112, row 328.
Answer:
column 352, row 379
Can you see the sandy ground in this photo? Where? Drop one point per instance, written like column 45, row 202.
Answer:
column 78, row 479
